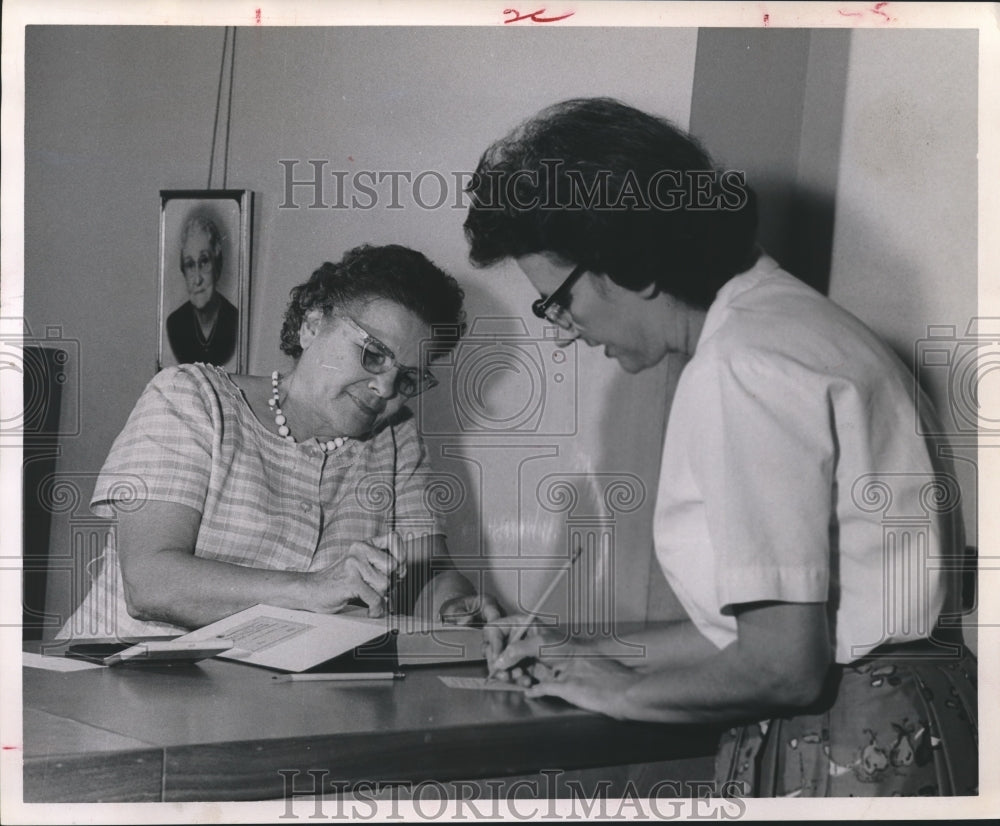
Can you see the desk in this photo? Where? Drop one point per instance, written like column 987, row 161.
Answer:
column 221, row 730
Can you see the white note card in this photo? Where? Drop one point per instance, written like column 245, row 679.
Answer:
column 480, row 683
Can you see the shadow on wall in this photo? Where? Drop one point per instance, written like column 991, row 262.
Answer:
column 796, row 229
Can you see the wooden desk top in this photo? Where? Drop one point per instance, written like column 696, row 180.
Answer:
column 220, row 730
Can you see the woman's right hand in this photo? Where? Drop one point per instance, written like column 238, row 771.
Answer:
column 514, row 660
column 365, row 572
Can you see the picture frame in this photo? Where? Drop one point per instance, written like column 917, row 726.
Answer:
column 203, row 283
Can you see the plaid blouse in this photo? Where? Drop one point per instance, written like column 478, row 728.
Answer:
column 265, row 502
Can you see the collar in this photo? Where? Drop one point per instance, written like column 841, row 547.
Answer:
column 731, row 290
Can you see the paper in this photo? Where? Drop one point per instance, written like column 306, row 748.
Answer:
column 56, row 663
column 288, row 639
column 293, row 640
column 480, row 683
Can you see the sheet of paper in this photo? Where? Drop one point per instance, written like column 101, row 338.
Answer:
column 298, row 640
column 56, row 663
column 288, row 639
column 480, row 684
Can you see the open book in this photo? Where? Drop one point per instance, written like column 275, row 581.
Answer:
column 291, row 640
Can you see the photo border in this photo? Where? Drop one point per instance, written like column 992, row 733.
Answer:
column 243, row 246
column 779, row 14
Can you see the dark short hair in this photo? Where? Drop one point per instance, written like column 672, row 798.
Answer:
column 390, row 272
column 202, row 223
column 597, row 183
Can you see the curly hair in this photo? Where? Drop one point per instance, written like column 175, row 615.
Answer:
column 390, row 272
column 621, row 192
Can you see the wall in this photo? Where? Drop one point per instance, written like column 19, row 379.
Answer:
column 788, row 147
column 905, row 248
column 116, row 114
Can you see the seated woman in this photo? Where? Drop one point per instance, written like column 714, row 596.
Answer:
column 304, row 489
column 808, row 627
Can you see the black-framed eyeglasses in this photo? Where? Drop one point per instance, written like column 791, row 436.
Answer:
column 378, row 358
column 553, row 307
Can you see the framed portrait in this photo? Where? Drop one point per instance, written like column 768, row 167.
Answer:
column 204, row 277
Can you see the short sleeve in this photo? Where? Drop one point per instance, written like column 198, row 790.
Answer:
column 421, row 494
column 164, row 453
column 765, row 464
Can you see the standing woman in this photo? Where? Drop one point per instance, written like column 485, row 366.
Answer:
column 788, row 414
column 304, row 489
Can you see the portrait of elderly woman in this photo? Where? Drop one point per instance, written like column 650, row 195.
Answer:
column 256, row 488
column 205, row 327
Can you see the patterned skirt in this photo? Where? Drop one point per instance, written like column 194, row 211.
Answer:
column 902, row 722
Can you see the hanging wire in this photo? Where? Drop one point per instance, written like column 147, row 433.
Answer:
column 229, row 109
column 218, row 105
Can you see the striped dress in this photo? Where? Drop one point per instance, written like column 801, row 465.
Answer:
column 265, row 502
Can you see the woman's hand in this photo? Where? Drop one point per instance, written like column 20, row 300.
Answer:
column 503, row 662
column 516, row 644
column 365, row 572
column 594, row 682
column 550, row 663
column 470, row 609
column 451, row 598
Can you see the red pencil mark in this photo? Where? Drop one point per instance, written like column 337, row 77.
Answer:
column 350, row 158
column 257, row 17
column 877, row 9
column 11, row 748
column 534, row 17
column 767, row 20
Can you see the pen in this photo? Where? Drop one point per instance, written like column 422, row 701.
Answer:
column 337, row 678
column 392, row 592
column 521, row 630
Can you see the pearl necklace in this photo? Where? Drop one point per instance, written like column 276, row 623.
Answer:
column 282, row 422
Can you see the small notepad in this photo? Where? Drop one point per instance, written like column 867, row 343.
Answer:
column 481, row 683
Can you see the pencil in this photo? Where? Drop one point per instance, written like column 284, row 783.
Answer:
column 338, row 678
column 521, row 630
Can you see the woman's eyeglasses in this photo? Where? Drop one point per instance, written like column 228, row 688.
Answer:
column 554, row 307
column 377, row 358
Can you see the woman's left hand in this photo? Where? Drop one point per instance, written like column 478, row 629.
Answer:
column 470, row 609
column 594, row 683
